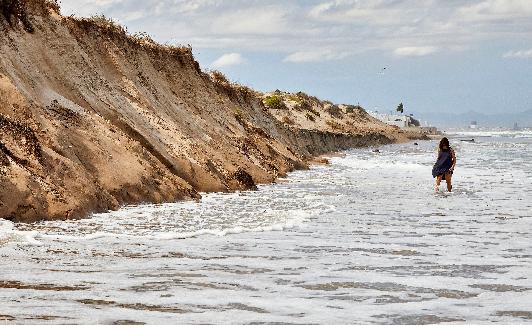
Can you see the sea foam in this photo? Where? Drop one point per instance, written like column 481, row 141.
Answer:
column 10, row 235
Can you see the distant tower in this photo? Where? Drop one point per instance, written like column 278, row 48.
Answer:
column 473, row 125
column 516, row 126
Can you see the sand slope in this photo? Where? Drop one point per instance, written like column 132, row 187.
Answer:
column 91, row 119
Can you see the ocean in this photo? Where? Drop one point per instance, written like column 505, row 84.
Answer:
column 364, row 240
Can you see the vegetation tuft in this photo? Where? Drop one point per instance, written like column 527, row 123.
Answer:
column 288, row 120
column 240, row 116
column 274, row 102
column 143, row 38
column 334, row 111
column 354, row 109
column 334, row 125
column 112, row 28
column 218, row 77
column 295, row 98
column 313, row 111
column 233, row 89
column 303, row 105
column 107, row 23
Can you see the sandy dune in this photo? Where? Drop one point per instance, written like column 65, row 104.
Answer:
column 92, row 119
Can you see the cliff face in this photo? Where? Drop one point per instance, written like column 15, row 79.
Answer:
column 92, row 119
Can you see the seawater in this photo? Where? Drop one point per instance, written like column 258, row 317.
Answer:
column 365, row 240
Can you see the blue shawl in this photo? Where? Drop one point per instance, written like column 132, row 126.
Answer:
column 443, row 164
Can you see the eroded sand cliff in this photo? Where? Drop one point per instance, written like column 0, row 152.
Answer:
column 92, row 119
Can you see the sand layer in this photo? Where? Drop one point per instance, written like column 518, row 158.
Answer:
column 92, row 119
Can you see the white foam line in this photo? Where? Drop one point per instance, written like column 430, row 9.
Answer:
column 516, row 134
column 176, row 235
column 8, row 234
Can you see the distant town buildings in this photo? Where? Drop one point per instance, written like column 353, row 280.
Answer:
column 402, row 121
column 473, row 125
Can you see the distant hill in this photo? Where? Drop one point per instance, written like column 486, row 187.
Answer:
column 443, row 119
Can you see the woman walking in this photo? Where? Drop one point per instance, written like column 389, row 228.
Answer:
column 444, row 166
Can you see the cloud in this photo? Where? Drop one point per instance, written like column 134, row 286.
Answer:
column 522, row 54
column 415, row 50
column 88, row 7
column 497, row 10
column 227, row 60
column 133, row 15
column 378, row 12
column 315, row 56
column 295, row 29
column 105, row 2
column 257, row 21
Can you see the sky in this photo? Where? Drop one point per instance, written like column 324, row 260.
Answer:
column 448, row 56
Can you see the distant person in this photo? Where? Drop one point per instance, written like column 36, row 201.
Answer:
column 444, row 166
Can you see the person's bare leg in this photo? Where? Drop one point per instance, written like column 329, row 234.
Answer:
column 438, row 181
column 448, row 178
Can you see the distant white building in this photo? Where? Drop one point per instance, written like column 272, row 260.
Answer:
column 473, row 125
column 401, row 121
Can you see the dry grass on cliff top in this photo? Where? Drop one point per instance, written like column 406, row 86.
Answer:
column 21, row 11
column 233, row 89
column 110, row 26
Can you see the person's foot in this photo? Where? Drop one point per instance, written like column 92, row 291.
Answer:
column 437, row 188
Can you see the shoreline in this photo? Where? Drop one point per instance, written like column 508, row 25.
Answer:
column 117, row 120
column 319, row 160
